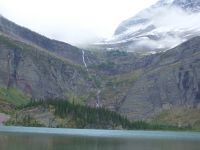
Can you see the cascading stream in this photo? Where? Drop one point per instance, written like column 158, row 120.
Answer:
column 83, row 57
column 98, row 91
column 98, row 98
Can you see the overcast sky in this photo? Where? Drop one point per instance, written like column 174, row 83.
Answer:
column 72, row 21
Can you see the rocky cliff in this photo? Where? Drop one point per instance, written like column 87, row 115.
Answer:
column 136, row 86
column 39, row 73
column 62, row 49
column 172, row 79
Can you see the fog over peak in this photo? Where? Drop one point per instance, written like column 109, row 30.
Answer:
column 159, row 27
column 72, row 21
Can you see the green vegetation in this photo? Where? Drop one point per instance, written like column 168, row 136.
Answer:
column 26, row 121
column 5, row 40
column 73, row 97
column 87, row 117
column 127, row 78
column 179, row 116
column 13, row 96
column 36, row 52
column 83, row 116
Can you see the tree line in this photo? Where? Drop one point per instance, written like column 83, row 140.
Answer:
column 88, row 117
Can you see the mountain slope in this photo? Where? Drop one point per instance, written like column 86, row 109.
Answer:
column 157, row 28
column 39, row 73
column 172, row 79
column 156, row 83
column 138, row 87
column 62, row 49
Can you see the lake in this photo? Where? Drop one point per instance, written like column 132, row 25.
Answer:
column 22, row 138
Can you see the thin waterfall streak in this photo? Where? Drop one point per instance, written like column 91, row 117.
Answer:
column 98, row 99
column 83, row 57
column 99, row 91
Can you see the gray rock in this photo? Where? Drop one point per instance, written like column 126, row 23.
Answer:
column 174, row 80
column 39, row 73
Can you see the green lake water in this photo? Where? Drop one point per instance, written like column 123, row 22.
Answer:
column 22, row 138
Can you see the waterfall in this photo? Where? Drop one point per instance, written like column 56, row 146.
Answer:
column 98, row 91
column 98, row 99
column 83, row 57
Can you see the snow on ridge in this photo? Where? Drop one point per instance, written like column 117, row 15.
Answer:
column 157, row 28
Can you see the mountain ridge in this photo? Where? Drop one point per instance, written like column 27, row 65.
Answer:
column 62, row 49
column 158, row 28
column 138, row 87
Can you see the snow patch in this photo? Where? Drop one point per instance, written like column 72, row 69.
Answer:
column 165, row 27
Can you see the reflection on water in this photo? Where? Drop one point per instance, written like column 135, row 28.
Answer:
column 30, row 141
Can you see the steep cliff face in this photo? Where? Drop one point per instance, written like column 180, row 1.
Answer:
column 136, row 86
column 39, row 73
column 62, row 49
column 172, row 80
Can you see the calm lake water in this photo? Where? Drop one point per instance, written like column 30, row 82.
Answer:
column 21, row 138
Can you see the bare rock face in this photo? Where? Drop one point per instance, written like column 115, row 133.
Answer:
column 62, row 49
column 39, row 73
column 173, row 80
column 136, row 86
column 42, row 67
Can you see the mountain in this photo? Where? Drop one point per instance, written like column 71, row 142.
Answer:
column 143, row 87
column 62, row 49
column 140, row 87
column 160, row 27
column 170, row 80
column 189, row 5
column 38, row 73
column 39, row 67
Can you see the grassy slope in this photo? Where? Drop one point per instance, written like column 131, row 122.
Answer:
column 13, row 96
column 15, row 44
column 179, row 116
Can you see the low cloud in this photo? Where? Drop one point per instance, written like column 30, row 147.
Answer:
column 172, row 26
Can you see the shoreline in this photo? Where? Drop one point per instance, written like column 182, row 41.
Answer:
column 101, row 133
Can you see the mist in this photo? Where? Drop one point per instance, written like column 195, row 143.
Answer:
column 172, row 26
column 72, row 21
